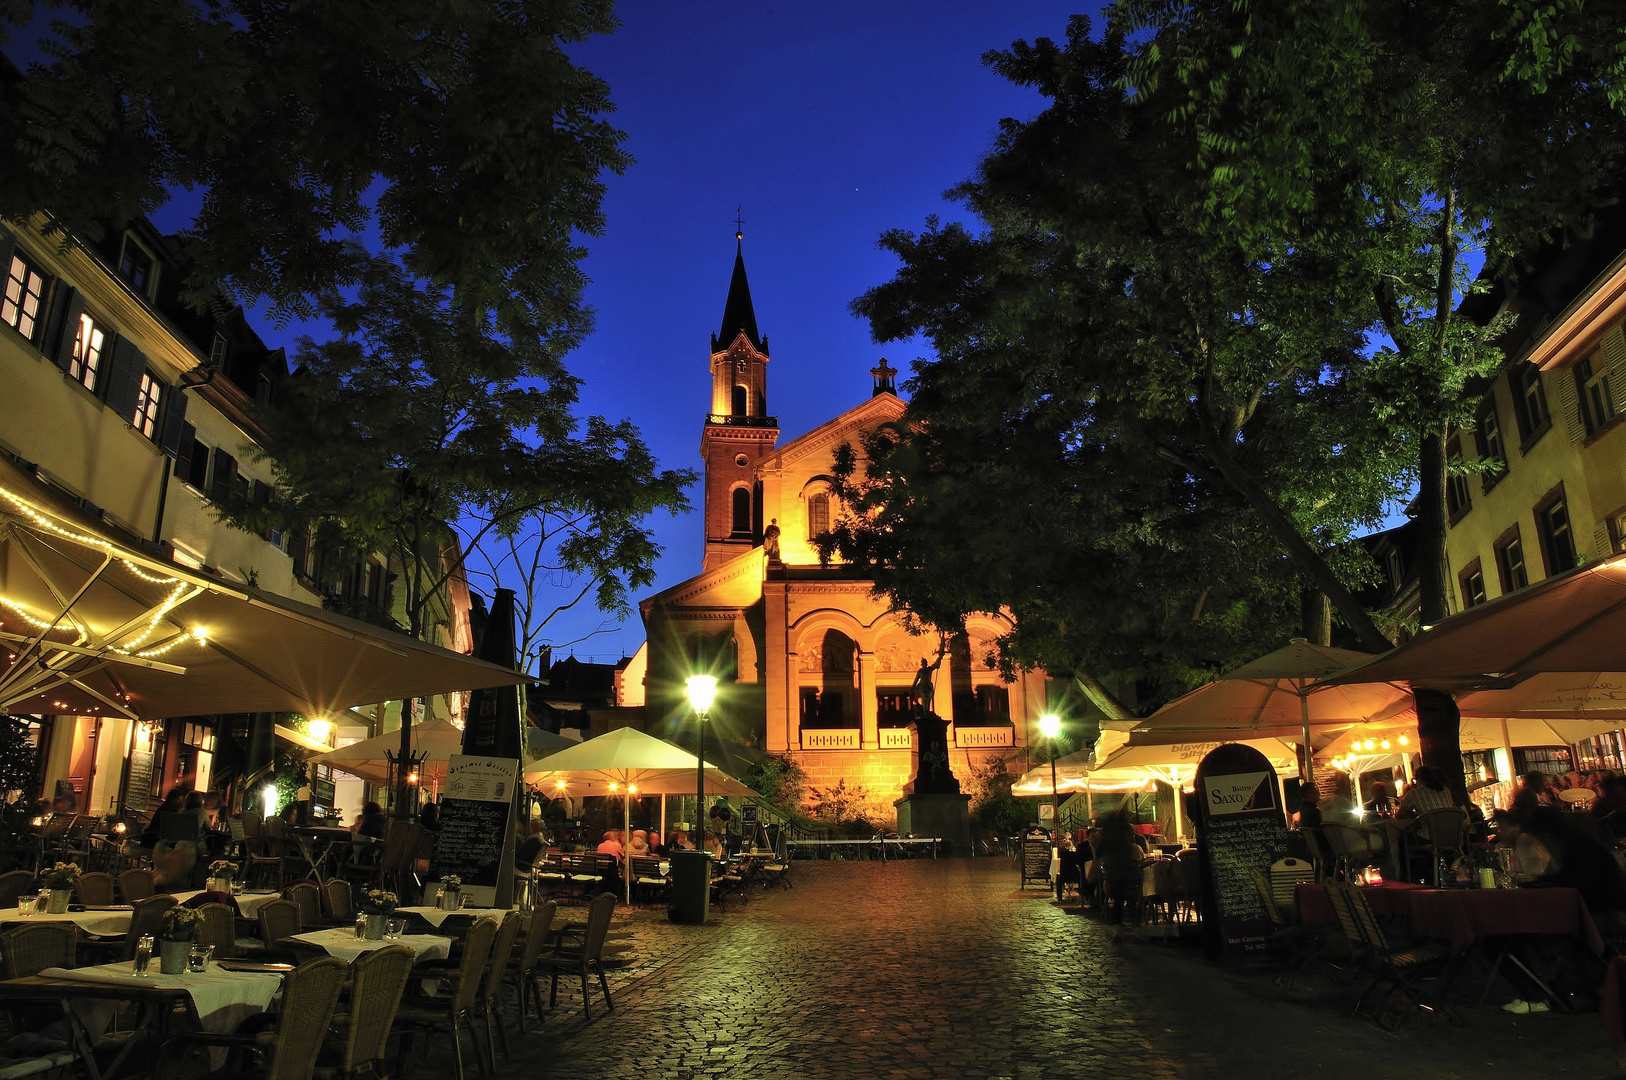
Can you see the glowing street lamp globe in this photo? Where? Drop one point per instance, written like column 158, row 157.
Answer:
column 1050, row 725
column 702, row 689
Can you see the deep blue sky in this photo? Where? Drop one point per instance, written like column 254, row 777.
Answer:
column 828, row 123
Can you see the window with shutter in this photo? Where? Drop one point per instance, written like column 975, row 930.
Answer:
column 1613, row 534
column 1613, row 349
column 222, row 477
column 1472, row 585
column 1456, row 482
column 149, row 395
column 1596, row 399
column 1557, row 538
column 85, row 362
column 1510, row 566
column 1488, row 443
column 21, row 307
column 1529, row 404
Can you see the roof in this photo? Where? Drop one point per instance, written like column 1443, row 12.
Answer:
column 739, row 317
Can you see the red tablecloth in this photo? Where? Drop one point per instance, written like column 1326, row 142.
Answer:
column 1609, row 1008
column 1463, row 916
column 1386, row 899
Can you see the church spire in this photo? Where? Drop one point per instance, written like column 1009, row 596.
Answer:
column 738, row 314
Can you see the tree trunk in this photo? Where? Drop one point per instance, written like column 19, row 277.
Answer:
column 403, row 790
column 1101, row 697
column 1439, row 727
column 1431, row 527
column 1317, row 616
column 1308, row 558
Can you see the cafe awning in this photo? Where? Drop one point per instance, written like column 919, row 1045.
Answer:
column 91, row 625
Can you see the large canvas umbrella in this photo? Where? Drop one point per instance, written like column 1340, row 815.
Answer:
column 1271, row 698
column 627, row 762
column 90, row 625
column 435, row 740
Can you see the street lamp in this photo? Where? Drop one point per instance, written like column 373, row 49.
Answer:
column 702, row 689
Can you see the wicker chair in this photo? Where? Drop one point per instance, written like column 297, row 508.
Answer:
column 524, row 965
column 377, row 981
column 13, row 885
column 279, row 920
column 96, row 890
column 502, row 954
column 582, row 960
column 28, row 950
column 137, row 885
column 218, row 927
column 310, row 994
column 444, row 1014
column 308, row 899
column 341, row 902
column 146, row 917
column 263, row 851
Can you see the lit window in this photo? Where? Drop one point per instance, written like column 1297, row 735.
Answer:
column 1597, row 402
column 25, row 286
column 86, row 362
column 146, row 406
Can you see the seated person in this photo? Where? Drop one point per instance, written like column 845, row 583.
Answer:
column 1428, row 791
column 372, row 822
column 611, row 843
column 1611, row 797
column 530, row 849
column 678, row 840
column 714, row 844
column 639, row 845
column 1309, row 815
column 1379, row 805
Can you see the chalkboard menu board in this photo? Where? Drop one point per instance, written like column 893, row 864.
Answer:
column 1035, row 859
column 138, row 782
column 1240, row 830
column 475, row 842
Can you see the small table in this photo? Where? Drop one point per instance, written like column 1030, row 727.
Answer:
column 343, row 943
column 106, row 922
column 307, row 835
column 435, row 916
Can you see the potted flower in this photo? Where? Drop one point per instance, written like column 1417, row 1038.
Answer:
column 379, row 905
column 222, row 872
column 61, row 880
column 451, row 886
column 175, row 935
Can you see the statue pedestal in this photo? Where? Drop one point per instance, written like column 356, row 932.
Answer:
column 946, row 816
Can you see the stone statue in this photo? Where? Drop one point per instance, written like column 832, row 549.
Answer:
column 770, row 540
column 922, row 690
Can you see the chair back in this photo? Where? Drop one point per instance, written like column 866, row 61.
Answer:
column 1192, row 870
column 646, row 868
column 146, row 917
column 1370, row 930
column 1347, row 842
column 599, row 913
column 1286, row 875
column 13, row 885
column 1444, row 829
column 29, row 950
column 340, row 901
column 536, row 935
column 57, row 825
column 217, row 926
column 477, row 945
column 253, row 826
column 378, row 980
column 137, row 885
column 1267, row 897
column 310, row 993
column 307, row 899
column 502, row 951
column 96, row 889
column 279, row 919
column 1338, row 899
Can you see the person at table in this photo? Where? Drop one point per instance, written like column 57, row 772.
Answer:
column 611, row 843
column 714, row 844
column 1380, row 805
column 372, row 822
column 656, row 848
column 1534, row 793
column 1611, row 797
column 530, row 849
column 429, row 817
column 678, row 840
column 638, row 846
column 171, row 805
column 1309, row 815
column 1428, row 791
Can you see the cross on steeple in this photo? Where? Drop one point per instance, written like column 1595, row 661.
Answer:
column 739, row 223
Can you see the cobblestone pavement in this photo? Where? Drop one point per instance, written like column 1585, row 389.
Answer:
column 930, row 969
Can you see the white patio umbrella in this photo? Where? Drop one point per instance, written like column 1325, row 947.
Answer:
column 627, row 762
column 436, row 739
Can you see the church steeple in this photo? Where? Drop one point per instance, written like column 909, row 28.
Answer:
column 739, row 316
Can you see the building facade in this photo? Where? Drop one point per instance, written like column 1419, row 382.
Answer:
column 812, row 664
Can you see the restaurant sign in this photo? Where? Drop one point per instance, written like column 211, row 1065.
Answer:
column 476, row 838
column 1240, row 829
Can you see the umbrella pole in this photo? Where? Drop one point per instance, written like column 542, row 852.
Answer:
column 663, row 819
column 626, row 838
column 1309, row 751
column 1507, row 748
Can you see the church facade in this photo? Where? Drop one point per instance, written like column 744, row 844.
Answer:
column 811, row 664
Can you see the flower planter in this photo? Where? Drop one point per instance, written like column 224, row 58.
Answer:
column 172, row 957
column 59, row 901
column 375, row 928
column 222, row 885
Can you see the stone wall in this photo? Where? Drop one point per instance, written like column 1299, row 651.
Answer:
column 881, row 774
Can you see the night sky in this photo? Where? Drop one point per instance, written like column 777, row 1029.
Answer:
column 828, row 123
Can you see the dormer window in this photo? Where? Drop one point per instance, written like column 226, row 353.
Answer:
column 217, row 352
column 137, row 267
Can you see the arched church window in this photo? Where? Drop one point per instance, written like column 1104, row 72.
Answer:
column 818, row 516
column 742, row 512
column 741, row 399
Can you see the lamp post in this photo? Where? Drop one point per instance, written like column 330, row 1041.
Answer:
column 702, row 689
column 1050, row 727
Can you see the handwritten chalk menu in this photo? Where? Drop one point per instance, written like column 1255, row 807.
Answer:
column 1035, row 860
column 476, row 837
column 1240, row 830
column 138, row 785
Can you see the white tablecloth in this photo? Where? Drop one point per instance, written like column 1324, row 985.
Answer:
column 434, row 916
column 222, row 998
column 98, row 923
column 343, row 943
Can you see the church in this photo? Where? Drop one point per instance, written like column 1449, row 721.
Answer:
column 810, row 663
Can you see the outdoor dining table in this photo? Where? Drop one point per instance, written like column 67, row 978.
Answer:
column 435, row 916
column 215, row 1000
column 343, row 943
column 1466, row 916
column 335, row 837
column 114, row 920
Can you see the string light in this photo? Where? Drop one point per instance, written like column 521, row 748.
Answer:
column 39, row 519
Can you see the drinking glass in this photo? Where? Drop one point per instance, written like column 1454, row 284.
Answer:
column 28, row 904
column 361, row 927
column 392, row 929
column 143, row 953
column 198, row 957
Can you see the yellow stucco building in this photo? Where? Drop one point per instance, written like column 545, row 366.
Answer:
column 812, row 663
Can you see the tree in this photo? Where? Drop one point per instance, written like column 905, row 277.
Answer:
column 458, row 136
column 1113, row 390
column 417, row 417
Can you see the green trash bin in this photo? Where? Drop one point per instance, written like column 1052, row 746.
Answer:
column 691, row 886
